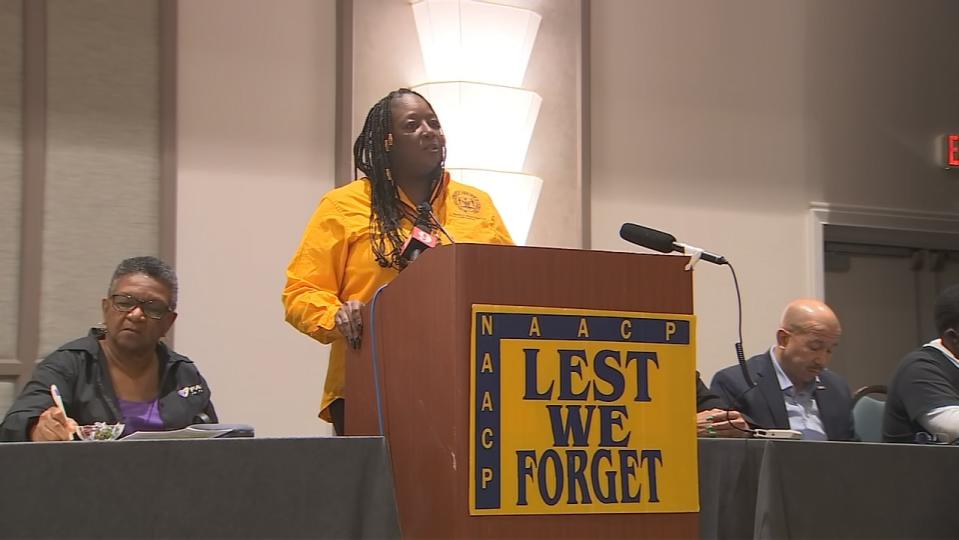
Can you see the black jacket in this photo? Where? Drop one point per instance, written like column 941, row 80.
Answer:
column 80, row 373
column 706, row 399
column 765, row 407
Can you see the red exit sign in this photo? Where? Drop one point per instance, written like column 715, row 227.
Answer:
column 952, row 150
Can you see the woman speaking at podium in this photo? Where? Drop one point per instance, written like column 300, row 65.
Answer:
column 358, row 237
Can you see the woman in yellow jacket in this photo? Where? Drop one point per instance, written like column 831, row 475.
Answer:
column 353, row 243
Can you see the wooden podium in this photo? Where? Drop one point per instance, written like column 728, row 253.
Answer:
column 422, row 327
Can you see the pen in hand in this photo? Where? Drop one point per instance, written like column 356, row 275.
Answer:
column 58, row 400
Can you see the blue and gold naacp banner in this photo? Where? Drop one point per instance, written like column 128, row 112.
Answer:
column 579, row 411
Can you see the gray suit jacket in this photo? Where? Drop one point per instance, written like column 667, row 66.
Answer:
column 765, row 407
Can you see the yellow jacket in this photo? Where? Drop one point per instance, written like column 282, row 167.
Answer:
column 335, row 262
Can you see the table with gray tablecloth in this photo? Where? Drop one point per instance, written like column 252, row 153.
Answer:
column 230, row 488
column 342, row 488
column 802, row 489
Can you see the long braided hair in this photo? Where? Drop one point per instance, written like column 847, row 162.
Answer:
column 371, row 155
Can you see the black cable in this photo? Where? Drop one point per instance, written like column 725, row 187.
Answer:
column 436, row 222
column 727, row 410
column 374, row 364
column 740, row 355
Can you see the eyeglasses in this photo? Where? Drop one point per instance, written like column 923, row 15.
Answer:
column 154, row 309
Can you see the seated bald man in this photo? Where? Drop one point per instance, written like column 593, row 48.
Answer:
column 794, row 388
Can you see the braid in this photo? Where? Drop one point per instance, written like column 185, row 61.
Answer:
column 371, row 157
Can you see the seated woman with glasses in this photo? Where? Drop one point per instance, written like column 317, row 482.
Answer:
column 120, row 373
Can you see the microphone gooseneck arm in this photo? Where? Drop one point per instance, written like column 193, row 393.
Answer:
column 666, row 243
column 700, row 253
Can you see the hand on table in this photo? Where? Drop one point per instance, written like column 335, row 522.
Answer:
column 720, row 423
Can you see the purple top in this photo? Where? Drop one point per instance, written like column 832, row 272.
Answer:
column 140, row 416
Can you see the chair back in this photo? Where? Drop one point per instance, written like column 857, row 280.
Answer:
column 868, row 408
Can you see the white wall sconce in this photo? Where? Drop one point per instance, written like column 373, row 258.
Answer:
column 475, row 54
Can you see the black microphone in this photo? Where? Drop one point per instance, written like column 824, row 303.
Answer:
column 421, row 237
column 648, row 238
column 663, row 242
column 666, row 243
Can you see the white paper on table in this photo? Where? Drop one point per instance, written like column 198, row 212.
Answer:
column 190, row 432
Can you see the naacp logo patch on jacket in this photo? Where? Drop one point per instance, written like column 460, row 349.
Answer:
column 467, row 202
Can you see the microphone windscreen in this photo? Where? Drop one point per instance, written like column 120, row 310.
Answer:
column 648, row 238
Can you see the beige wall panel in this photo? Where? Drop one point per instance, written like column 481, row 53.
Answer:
column 11, row 156
column 8, row 393
column 697, row 129
column 555, row 149
column 881, row 92
column 256, row 114
column 721, row 121
column 102, row 191
column 382, row 65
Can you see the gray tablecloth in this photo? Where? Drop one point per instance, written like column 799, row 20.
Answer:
column 342, row 488
column 233, row 488
column 796, row 489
